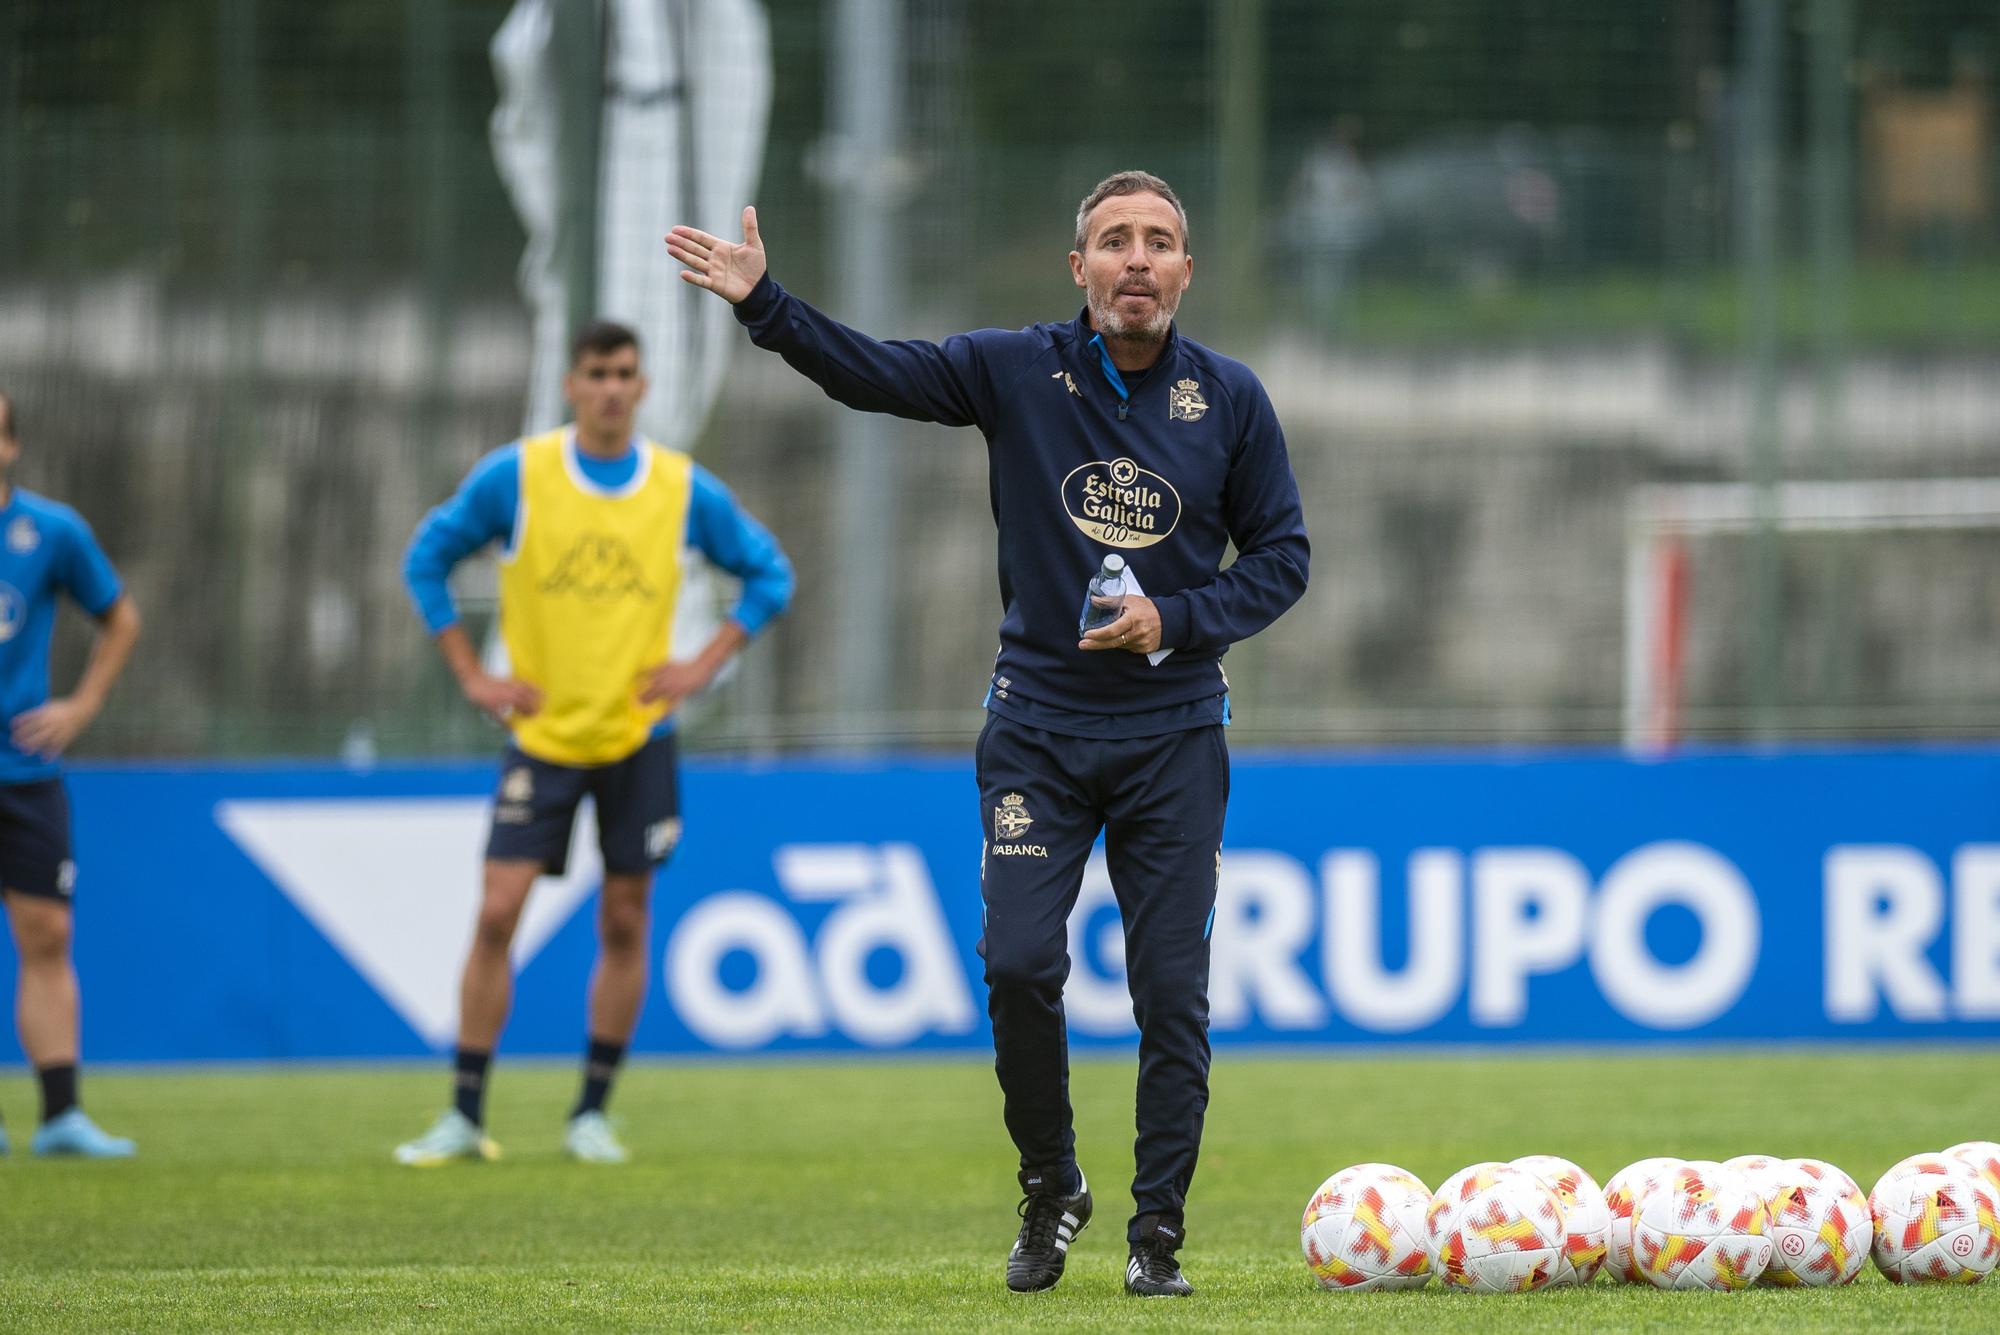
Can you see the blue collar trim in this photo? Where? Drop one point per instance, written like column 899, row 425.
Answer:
column 1110, row 371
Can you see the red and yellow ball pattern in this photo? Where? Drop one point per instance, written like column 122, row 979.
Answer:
column 1363, row 1230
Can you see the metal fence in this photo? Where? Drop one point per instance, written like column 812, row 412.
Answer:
column 1499, row 262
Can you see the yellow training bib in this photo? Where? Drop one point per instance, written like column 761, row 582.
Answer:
column 587, row 597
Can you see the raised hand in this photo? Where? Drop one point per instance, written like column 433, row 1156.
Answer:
column 727, row 268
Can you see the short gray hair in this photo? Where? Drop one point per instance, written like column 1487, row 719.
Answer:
column 1128, row 183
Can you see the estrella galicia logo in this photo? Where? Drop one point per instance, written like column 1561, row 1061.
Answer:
column 1121, row 504
column 599, row 568
column 13, row 612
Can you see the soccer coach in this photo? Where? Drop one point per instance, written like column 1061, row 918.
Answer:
column 1108, row 433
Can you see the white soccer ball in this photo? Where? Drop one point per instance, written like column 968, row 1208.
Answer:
column 1821, row 1228
column 1984, row 1156
column 1452, row 1194
column 1505, row 1237
column 1364, row 1230
column 1702, row 1228
column 1934, row 1222
column 1586, row 1218
column 1621, row 1195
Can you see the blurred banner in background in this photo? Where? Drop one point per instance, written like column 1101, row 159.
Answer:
column 319, row 912
column 1501, row 264
column 675, row 100
column 615, row 122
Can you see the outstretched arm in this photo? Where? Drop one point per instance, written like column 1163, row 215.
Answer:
column 926, row 382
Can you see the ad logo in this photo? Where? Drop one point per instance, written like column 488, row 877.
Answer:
column 883, row 902
column 1121, row 504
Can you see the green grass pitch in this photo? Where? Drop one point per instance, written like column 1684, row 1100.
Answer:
column 880, row 1194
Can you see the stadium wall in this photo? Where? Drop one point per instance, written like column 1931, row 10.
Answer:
column 278, row 912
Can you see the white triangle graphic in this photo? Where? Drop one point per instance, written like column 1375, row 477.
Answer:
column 394, row 885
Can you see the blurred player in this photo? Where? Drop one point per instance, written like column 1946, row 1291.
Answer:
column 593, row 520
column 1108, row 431
column 46, row 549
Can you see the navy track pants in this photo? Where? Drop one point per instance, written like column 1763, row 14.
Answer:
column 1043, row 799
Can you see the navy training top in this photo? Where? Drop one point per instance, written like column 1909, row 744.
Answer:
column 1167, row 467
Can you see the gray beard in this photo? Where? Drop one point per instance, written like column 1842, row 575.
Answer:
column 1104, row 316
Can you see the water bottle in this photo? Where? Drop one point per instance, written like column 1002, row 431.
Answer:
column 1106, row 598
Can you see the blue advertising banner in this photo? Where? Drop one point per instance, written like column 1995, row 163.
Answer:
column 300, row 912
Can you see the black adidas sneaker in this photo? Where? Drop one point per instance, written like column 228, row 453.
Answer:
column 1049, row 1223
column 1152, row 1271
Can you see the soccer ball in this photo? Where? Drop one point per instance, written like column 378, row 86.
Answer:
column 1765, row 1173
column 1934, row 1222
column 1441, row 1215
column 1621, row 1195
column 1364, row 1229
column 1702, row 1228
column 1821, row 1228
column 1984, row 1156
column 1505, row 1237
column 1586, row 1217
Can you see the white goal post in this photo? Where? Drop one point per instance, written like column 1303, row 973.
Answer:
column 1661, row 515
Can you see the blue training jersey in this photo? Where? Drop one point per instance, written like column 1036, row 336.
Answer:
column 46, row 549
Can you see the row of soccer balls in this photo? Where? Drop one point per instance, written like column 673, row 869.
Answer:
column 1542, row 1221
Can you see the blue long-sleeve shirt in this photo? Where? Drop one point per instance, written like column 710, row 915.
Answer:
column 486, row 504
column 1167, row 468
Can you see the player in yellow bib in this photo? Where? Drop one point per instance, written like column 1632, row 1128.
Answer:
column 592, row 520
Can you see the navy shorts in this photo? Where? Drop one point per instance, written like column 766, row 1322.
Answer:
column 34, row 840
column 638, row 808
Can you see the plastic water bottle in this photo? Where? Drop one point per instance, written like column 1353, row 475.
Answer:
column 1105, row 600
